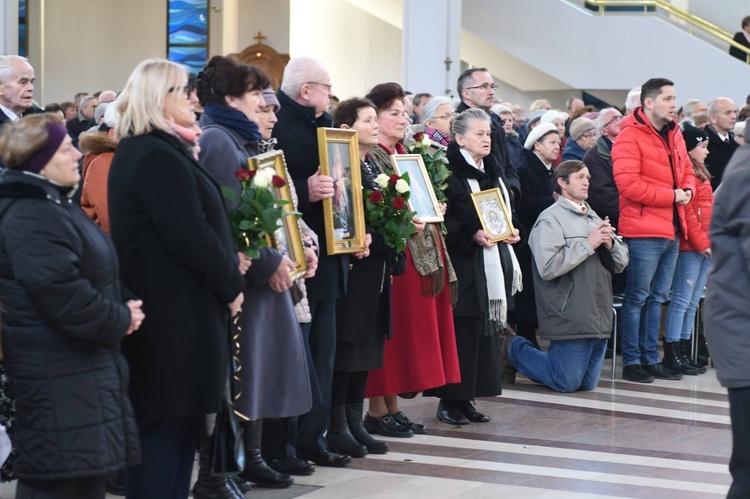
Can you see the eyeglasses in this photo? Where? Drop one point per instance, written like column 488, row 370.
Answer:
column 615, row 119
column 184, row 89
column 329, row 86
column 445, row 116
column 589, row 135
column 484, row 87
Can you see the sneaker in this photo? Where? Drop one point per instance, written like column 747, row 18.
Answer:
column 636, row 374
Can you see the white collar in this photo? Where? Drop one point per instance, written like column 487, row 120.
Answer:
column 471, row 161
column 10, row 114
column 580, row 207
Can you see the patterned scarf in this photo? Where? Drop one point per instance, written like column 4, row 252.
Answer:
column 425, row 246
column 437, row 136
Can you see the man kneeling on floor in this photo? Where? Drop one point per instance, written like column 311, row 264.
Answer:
column 575, row 254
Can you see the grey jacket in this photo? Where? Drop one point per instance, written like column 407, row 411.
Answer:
column 573, row 288
column 727, row 306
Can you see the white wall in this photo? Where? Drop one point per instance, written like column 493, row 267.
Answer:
column 88, row 46
column 620, row 52
column 726, row 14
column 269, row 17
column 359, row 49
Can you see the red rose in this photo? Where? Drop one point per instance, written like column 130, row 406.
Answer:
column 376, row 197
column 243, row 175
column 398, row 203
column 252, row 174
column 394, row 178
column 278, row 181
column 418, row 137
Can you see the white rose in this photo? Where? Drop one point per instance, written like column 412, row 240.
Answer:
column 382, row 180
column 402, row 186
column 263, row 178
column 426, row 141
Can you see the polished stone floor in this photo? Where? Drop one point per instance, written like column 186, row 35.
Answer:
column 668, row 439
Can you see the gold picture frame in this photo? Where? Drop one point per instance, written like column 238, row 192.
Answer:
column 287, row 239
column 344, row 213
column 422, row 198
column 493, row 213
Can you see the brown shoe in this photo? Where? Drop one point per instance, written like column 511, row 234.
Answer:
column 508, row 372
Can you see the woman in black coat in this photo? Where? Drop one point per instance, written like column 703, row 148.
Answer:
column 488, row 274
column 63, row 320
column 169, row 224
column 541, row 148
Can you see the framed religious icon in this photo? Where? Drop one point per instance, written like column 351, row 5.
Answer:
column 422, row 195
column 493, row 213
column 344, row 213
column 287, row 239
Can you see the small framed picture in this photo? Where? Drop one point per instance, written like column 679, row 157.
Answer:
column 344, row 213
column 494, row 214
column 422, row 195
column 287, row 239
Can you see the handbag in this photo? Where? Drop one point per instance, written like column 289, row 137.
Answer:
column 227, row 441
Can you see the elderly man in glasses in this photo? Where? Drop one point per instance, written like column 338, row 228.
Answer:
column 477, row 90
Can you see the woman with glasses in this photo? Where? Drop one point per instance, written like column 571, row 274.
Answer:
column 170, row 226
column 274, row 380
column 437, row 117
column 582, row 138
column 422, row 351
column 515, row 146
column 541, row 148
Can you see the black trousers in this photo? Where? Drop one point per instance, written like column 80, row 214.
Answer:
column 322, row 341
column 91, row 487
column 739, row 465
column 167, row 452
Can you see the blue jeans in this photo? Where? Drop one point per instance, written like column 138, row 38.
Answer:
column 566, row 366
column 650, row 272
column 690, row 277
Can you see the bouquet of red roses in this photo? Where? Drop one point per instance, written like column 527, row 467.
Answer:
column 386, row 210
column 256, row 213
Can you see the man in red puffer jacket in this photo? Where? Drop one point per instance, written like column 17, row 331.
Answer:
column 655, row 180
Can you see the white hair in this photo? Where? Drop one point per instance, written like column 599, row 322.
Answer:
column 633, row 100
column 6, row 66
column 429, row 110
column 112, row 114
column 600, row 121
column 301, row 70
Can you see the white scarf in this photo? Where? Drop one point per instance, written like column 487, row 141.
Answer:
column 497, row 313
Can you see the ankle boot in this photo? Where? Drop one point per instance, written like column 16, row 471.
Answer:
column 339, row 438
column 209, row 486
column 685, row 350
column 256, row 469
column 673, row 359
column 357, row 429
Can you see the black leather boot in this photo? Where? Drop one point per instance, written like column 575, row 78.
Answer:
column 338, row 437
column 256, row 469
column 357, row 429
column 673, row 359
column 685, row 350
column 209, row 486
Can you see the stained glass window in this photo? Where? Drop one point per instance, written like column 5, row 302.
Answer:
column 187, row 43
column 22, row 28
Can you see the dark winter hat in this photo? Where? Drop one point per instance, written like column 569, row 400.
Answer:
column 271, row 99
column 693, row 136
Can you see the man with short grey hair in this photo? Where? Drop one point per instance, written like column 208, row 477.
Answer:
column 722, row 116
column 16, row 87
column 303, row 96
column 85, row 118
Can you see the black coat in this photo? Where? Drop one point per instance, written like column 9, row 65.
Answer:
column 297, row 136
column 462, row 222
column 740, row 38
column 536, row 183
column 499, row 151
column 603, row 195
column 719, row 155
column 169, row 224
column 63, row 319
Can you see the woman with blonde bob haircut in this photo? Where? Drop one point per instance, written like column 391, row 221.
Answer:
column 169, row 225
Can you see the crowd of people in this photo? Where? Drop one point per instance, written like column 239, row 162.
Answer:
column 126, row 324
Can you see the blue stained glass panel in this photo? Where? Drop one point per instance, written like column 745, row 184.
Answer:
column 22, row 36
column 194, row 58
column 188, row 22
